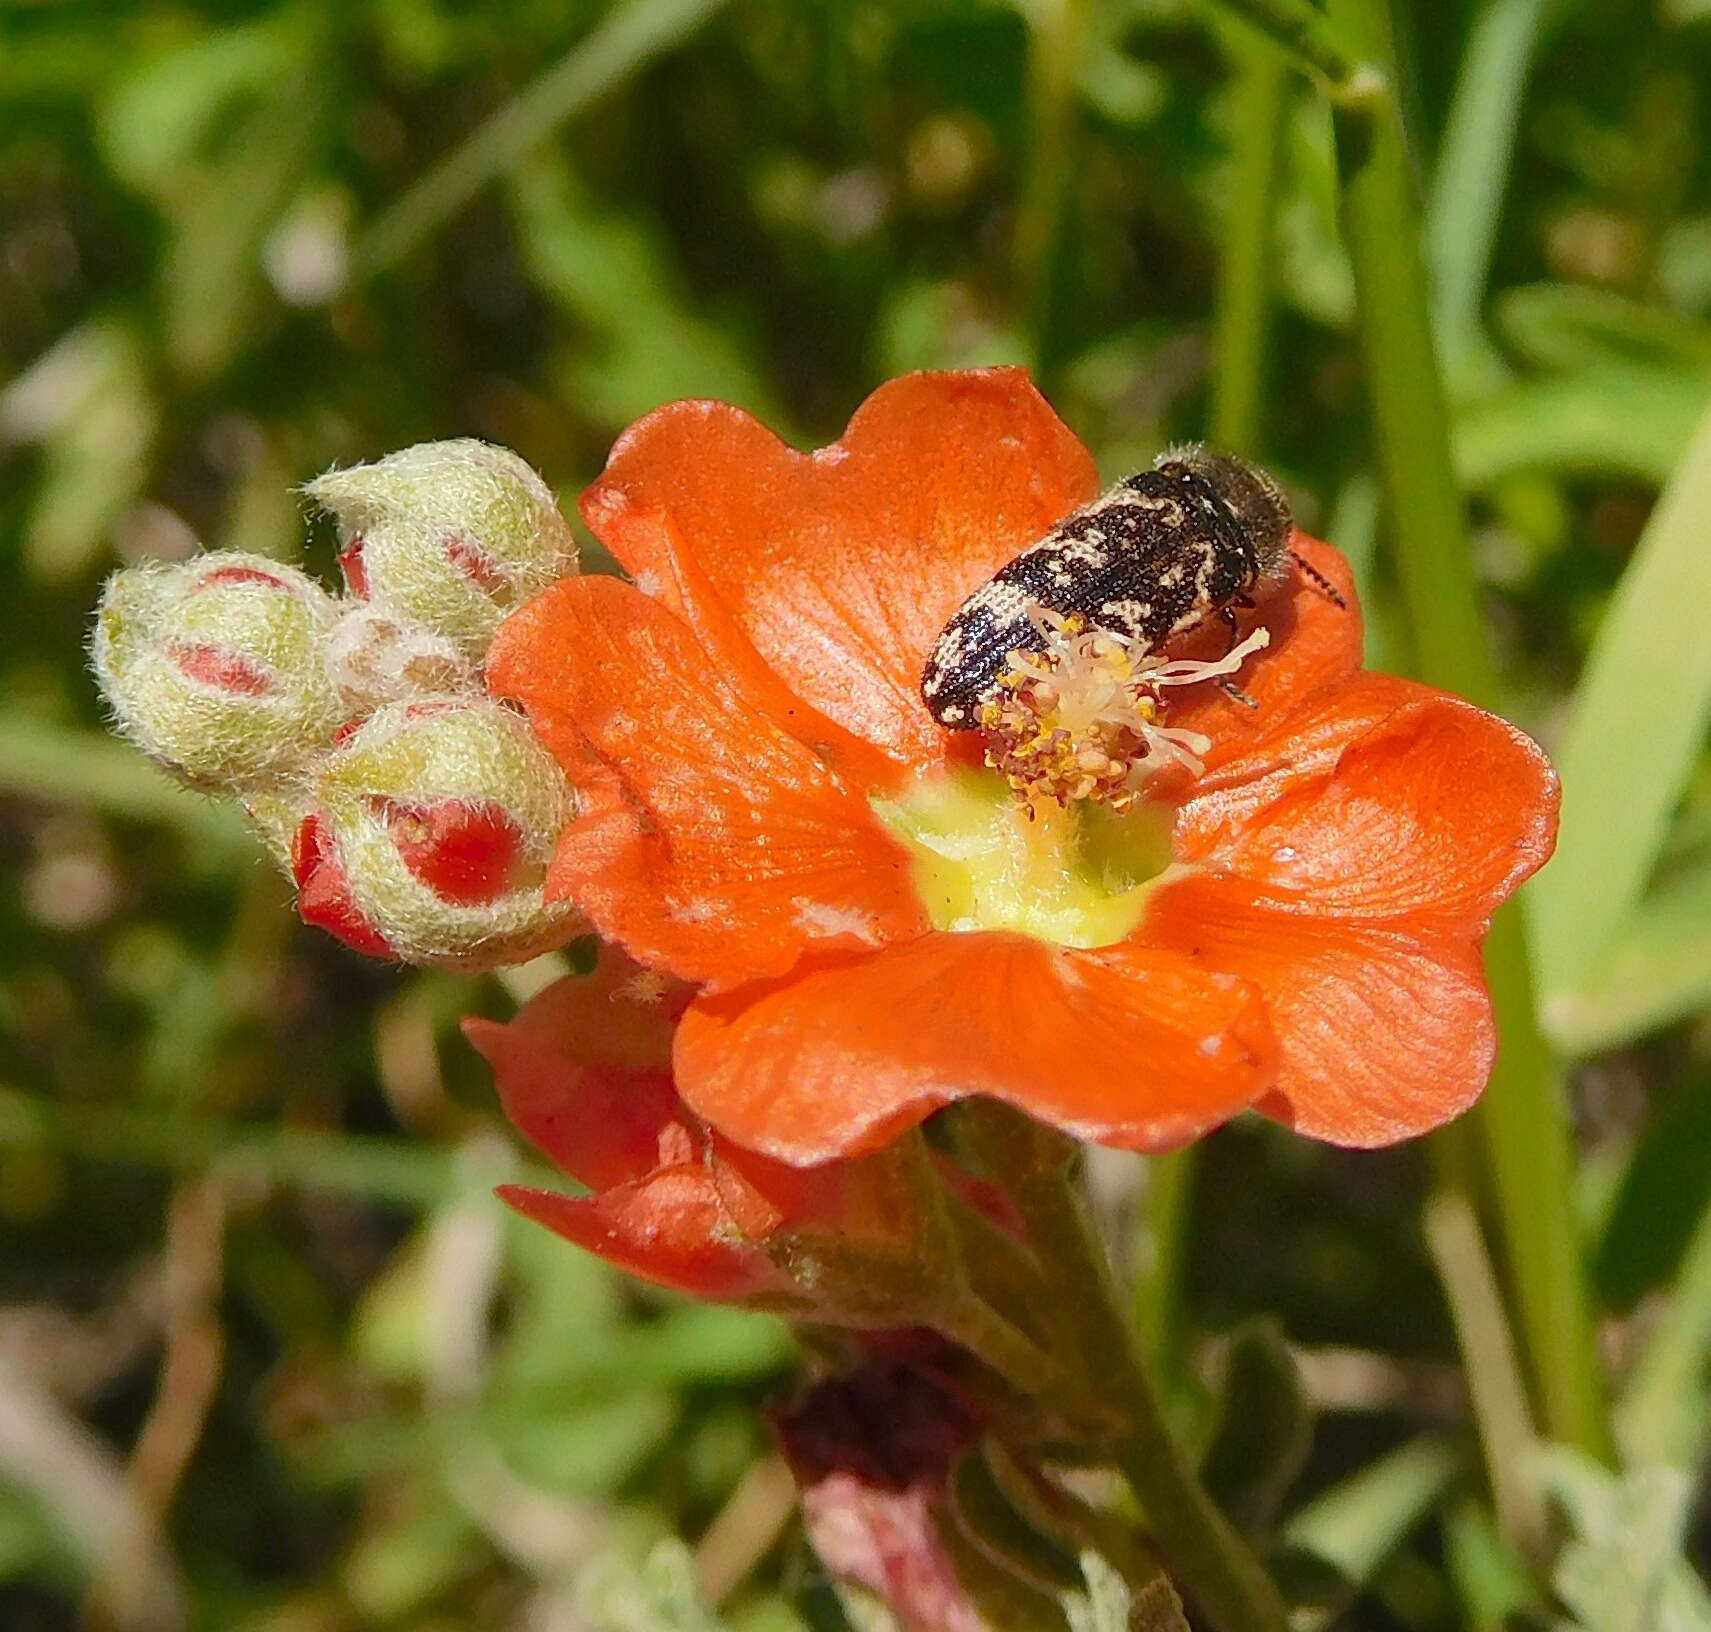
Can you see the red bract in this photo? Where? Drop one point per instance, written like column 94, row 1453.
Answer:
column 324, row 896
column 744, row 724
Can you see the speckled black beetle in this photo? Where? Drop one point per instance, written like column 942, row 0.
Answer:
column 1164, row 550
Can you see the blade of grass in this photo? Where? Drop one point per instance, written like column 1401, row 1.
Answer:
column 1571, row 326
column 388, row 1170
column 1055, row 33
column 1522, row 1118
column 1261, row 99
column 1317, row 41
column 624, row 41
column 1161, row 1254
column 1489, row 1363
column 1472, row 169
column 1243, row 322
column 1658, row 1195
column 86, row 768
column 1624, row 758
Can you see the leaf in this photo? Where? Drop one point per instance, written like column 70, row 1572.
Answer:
column 27, row 1541
column 1357, row 1524
column 586, row 1451
column 407, row 1558
column 995, row 1525
column 91, row 771
column 615, row 276
column 1264, row 1428
column 155, row 124
column 659, row 1595
column 1623, row 1571
column 1662, row 1196
column 212, row 275
column 1490, row 1579
column 1656, row 970
column 1610, row 421
column 88, row 402
column 1574, row 327
column 1626, row 755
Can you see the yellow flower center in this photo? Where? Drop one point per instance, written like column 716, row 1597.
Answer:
column 1060, row 844
column 1075, row 876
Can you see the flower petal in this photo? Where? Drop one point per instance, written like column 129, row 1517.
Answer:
column 842, row 566
column 583, row 1071
column 710, row 841
column 1122, row 1044
column 669, row 1228
column 1314, row 643
column 1380, row 798
column 1385, row 1030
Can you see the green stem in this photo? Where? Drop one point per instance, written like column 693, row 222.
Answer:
column 625, row 40
column 1529, row 1145
column 1163, row 1256
column 1244, row 273
column 1212, row 1563
column 1522, row 1119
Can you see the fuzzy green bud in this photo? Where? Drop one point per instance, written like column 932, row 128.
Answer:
column 215, row 666
column 450, row 535
column 429, row 831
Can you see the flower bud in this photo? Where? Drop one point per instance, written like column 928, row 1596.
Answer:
column 377, row 657
column 448, row 534
column 429, row 834
column 215, row 666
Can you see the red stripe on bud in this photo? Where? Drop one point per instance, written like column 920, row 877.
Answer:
column 479, row 567
column 221, row 669
column 466, row 851
column 324, row 891
column 352, row 566
column 240, row 575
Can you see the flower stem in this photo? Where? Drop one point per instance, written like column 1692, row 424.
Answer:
column 1212, row 1564
column 1522, row 1119
column 1163, row 1255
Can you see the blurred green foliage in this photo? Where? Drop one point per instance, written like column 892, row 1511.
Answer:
column 271, row 1358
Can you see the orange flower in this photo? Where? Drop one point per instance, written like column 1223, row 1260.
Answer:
column 873, row 928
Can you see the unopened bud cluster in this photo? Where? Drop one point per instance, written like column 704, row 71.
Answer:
column 415, row 814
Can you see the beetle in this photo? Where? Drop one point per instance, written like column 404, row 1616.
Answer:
column 1195, row 537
